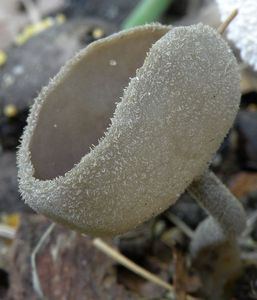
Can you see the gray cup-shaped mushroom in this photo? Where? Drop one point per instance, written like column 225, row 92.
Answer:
column 156, row 103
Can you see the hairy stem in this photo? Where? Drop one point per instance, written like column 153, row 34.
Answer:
column 218, row 201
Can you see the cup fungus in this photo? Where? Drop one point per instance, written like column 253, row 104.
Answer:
column 181, row 96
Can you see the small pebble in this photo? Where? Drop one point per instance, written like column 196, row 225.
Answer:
column 98, row 33
column 8, row 80
column 18, row 70
column 60, row 19
column 3, row 58
column 113, row 62
column 10, row 111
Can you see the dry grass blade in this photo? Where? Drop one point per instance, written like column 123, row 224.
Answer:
column 181, row 225
column 124, row 261
column 225, row 24
column 35, row 278
column 7, row 231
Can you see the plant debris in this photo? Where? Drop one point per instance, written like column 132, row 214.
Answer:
column 35, row 41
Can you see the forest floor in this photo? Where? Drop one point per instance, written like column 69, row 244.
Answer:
column 68, row 265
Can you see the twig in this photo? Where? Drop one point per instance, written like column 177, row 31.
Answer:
column 35, row 278
column 249, row 257
column 250, row 224
column 179, row 274
column 181, row 225
column 123, row 260
column 225, row 24
column 7, row 232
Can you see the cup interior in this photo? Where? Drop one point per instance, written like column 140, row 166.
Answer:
column 76, row 113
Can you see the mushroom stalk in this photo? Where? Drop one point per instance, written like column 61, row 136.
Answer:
column 218, row 201
column 216, row 259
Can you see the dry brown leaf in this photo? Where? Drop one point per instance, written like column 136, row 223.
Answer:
column 248, row 79
column 243, row 183
column 68, row 265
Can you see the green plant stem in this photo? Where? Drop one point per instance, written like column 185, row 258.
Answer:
column 146, row 11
